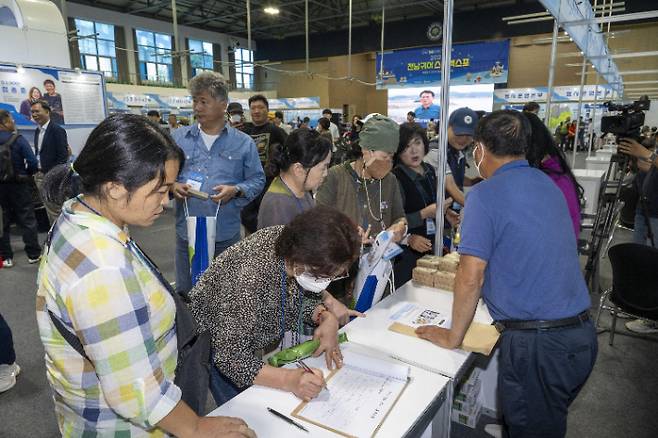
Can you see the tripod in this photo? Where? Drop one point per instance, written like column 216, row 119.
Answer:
column 604, row 219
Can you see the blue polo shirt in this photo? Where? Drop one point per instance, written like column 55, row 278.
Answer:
column 424, row 115
column 518, row 222
column 233, row 160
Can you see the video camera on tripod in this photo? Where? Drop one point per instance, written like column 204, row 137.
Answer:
column 628, row 123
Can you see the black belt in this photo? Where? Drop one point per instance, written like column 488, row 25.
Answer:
column 511, row 324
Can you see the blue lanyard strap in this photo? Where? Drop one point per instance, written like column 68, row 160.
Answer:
column 300, row 300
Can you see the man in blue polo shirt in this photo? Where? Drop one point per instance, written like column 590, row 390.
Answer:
column 518, row 250
column 427, row 110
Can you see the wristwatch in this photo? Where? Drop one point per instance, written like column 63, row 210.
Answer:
column 238, row 191
column 652, row 157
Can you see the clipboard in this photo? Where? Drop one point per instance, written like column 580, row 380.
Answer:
column 298, row 412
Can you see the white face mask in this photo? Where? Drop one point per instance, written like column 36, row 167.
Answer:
column 312, row 284
column 477, row 165
column 236, row 118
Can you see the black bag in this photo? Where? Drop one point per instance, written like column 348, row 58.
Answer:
column 193, row 368
column 7, row 173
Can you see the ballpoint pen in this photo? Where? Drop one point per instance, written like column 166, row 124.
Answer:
column 301, row 364
column 286, row 419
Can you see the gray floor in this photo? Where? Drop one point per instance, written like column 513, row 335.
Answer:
column 616, row 401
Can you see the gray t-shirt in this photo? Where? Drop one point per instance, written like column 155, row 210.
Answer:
column 280, row 206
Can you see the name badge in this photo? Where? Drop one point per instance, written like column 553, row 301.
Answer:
column 195, row 180
column 430, row 226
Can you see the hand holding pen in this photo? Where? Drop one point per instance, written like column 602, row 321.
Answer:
column 305, row 385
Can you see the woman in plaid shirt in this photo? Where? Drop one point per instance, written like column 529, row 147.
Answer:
column 94, row 285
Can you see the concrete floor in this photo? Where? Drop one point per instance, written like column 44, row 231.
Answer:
column 616, row 401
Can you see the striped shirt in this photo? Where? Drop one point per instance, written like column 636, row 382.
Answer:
column 125, row 320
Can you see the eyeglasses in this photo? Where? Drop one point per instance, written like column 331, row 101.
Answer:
column 344, row 275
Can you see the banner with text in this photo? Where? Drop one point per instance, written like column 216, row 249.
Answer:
column 75, row 98
column 471, row 63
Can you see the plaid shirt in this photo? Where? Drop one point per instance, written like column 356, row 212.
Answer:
column 125, row 320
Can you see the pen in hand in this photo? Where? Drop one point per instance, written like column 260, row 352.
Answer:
column 286, row 419
column 301, row 364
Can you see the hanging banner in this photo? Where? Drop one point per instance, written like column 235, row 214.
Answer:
column 560, row 94
column 472, row 63
column 75, row 98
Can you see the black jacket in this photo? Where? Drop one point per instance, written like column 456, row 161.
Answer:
column 54, row 149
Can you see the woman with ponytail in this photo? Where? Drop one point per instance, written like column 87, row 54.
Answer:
column 107, row 318
column 300, row 166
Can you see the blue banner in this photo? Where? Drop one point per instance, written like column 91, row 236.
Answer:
column 472, row 63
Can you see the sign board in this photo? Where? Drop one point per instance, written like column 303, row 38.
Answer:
column 471, row 63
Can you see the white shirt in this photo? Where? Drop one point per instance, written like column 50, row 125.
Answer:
column 42, row 134
column 208, row 139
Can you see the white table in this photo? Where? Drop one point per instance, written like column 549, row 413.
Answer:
column 417, row 407
column 597, row 163
column 591, row 181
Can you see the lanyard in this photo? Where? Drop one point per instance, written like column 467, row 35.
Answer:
column 423, row 193
column 283, row 308
column 132, row 246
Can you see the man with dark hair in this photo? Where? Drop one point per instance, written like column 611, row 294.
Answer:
column 411, row 117
column 427, row 110
column 266, row 135
column 333, row 129
column 54, row 99
column 531, row 107
column 278, row 122
column 154, row 116
column 522, row 258
column 305, row 123
column 51, row 147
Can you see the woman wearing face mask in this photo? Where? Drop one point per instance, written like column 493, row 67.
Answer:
column 266, row 285
column 364, row 189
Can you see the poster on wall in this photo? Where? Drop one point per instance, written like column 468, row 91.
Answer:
column 423, row 101
column 471, row 63
column 75, row 98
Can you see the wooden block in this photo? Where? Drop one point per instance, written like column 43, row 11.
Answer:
column 423, row 276
column 429, row 261
column 448, row 264
column 444, row 280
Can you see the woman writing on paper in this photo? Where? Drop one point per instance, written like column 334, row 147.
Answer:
column 105, row 318
column 266, row 285
column 300, row 167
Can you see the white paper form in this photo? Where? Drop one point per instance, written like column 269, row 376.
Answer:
column 360, row 396
column 416, row 315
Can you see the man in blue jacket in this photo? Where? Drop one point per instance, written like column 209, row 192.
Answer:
column 15, row 191
column 221, row 162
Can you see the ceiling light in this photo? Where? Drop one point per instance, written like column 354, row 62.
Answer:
column 271, row 10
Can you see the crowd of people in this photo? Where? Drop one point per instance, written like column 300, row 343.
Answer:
column 111, row 324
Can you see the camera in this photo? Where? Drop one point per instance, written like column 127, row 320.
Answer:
column 628, row 123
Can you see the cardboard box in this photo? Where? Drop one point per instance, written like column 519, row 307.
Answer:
column 444, row 280
column 424, row 276
column 468, row 419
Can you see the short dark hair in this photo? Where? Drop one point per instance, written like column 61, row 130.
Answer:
column 327, row 111
column 531, row 107
column 49, row 81
column 408, row 131
column 4, row 115
column 153, row 113
column 426, row 91
column 278, row 115
column 304, row 146
column 257, row 98
column 125, row 148
column 504, row 133
column 326, row 124
column 412, row 114
column 44, row 104
column 322, row 238
column 306, row 120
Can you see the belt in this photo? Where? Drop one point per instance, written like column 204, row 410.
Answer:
column 511, row 324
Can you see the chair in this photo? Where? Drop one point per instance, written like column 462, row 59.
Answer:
column 634, row 283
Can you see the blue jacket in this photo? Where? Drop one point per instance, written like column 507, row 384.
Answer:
column 54, row 149
column 232, row 160
column 22, row 156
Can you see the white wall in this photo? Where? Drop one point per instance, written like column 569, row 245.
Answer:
column 131, row 22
